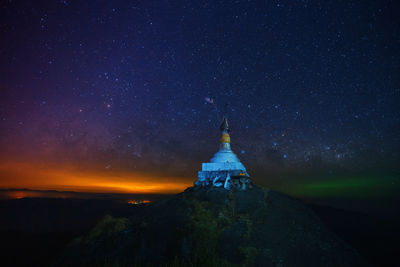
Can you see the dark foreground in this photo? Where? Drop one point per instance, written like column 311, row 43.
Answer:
column 35, row 232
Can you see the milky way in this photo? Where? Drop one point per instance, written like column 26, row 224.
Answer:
column 120, row 86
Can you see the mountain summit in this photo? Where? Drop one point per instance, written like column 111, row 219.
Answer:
column 214, row 227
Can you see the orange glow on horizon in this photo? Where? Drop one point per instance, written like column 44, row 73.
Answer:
column 22, row 175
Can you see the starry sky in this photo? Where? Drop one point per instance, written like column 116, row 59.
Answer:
column 109, row 96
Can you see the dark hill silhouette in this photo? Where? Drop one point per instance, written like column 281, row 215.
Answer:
column 214, row 227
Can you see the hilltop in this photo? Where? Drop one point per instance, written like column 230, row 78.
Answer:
column 214, row 227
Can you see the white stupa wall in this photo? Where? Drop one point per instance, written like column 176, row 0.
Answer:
column 223, row 166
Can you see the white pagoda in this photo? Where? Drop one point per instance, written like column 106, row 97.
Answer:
column 224, row 168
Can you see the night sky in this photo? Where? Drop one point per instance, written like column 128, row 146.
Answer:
column 109, row 96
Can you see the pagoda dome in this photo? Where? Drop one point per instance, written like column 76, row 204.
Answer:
column 224, row 156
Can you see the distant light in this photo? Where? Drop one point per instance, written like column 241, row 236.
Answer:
column 284, row 156
column 242, row 151
column 137, row 202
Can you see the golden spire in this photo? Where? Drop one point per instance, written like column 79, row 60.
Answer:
column 225, row 138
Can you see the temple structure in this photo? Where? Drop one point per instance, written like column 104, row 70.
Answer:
column 224, row 168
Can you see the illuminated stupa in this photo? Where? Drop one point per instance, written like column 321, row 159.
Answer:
column 224, row 168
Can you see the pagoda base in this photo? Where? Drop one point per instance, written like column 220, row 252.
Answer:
column 228, row 179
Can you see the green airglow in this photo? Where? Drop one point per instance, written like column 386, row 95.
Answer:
column 344, row 186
